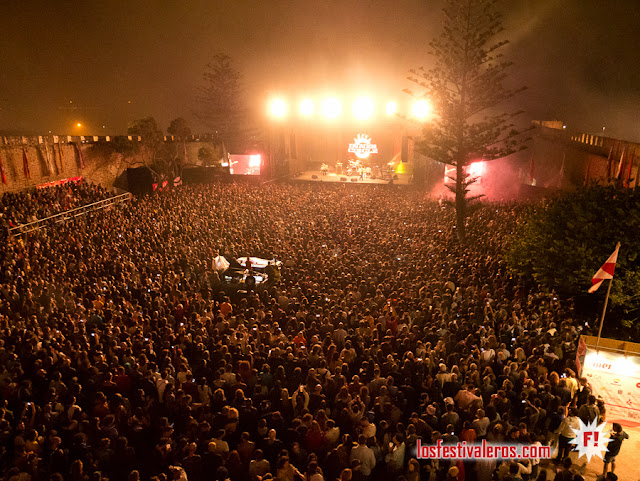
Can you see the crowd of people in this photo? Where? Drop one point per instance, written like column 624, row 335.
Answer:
column 23, row 207
column 124, row 355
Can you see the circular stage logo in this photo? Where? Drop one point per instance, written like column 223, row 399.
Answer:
column 362, row 147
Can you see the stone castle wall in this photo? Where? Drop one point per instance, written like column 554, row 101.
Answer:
column 53, row 157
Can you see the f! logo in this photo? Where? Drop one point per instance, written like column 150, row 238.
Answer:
column 588, row 435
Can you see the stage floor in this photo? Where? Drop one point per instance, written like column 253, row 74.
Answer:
column 308, row 176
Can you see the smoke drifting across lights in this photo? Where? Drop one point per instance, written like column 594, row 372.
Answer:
column 331, row 108
column 307, row 108
column 391, row 108
column 363, row 108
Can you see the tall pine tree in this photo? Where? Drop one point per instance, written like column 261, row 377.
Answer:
column 221, row 103
column 466, row 88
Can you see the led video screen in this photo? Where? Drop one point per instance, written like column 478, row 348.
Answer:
column 245, row 164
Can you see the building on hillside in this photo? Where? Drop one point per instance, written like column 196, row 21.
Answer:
column 559, row 159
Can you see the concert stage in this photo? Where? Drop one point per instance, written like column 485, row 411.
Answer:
column 316, row 176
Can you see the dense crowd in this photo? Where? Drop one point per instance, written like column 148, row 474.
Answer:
column 123, row 355
column 26, row 206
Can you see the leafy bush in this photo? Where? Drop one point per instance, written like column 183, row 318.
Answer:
column 563, row 242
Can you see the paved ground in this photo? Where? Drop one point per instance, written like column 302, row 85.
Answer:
column 627, row 462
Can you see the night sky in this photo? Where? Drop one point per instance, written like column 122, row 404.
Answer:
column 104, row 63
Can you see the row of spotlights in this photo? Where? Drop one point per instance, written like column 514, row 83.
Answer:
column 363, row 108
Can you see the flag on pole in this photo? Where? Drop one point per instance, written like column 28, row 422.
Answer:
column 4, row 177
column 25, row 164
column 619, row 171
column 627, row 177
column 606, row 271
column 558, row 180
column 51, row 161
column 609, row 162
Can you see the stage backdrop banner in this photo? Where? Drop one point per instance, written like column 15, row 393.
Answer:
column 614, row 375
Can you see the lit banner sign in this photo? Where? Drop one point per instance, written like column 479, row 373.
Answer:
column 362, row 147
column 615, row 377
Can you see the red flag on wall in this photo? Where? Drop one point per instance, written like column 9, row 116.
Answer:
column 620, row 164
column 4, row 177
column 25, row 164
column 627, row 177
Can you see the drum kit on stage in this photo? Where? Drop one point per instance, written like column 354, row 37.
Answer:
column 356, row 167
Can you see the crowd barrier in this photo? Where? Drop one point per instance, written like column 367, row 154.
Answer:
column 69, row 214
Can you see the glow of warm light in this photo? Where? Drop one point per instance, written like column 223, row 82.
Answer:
column 278, row 108
column 78, row 124
column 421, row 109
column 477, row 169
column 254, row 161
column 474, row 169
column 449, row 172
column 307, row 108
column 392, row 108
column 363, row 108
column 331, row 108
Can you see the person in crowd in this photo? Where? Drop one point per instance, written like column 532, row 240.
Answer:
column 566, row 433
column 589, row 411
column 617, row 435
column 365, row 456
column 566, row 473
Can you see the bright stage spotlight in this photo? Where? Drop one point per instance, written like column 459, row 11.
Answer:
column 331, row 108
column 307, row 108
column 363, row 108
column 392, row 108
column 421, row 109
column 278, row 108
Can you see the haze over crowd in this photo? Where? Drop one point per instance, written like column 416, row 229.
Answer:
column 109, row 63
